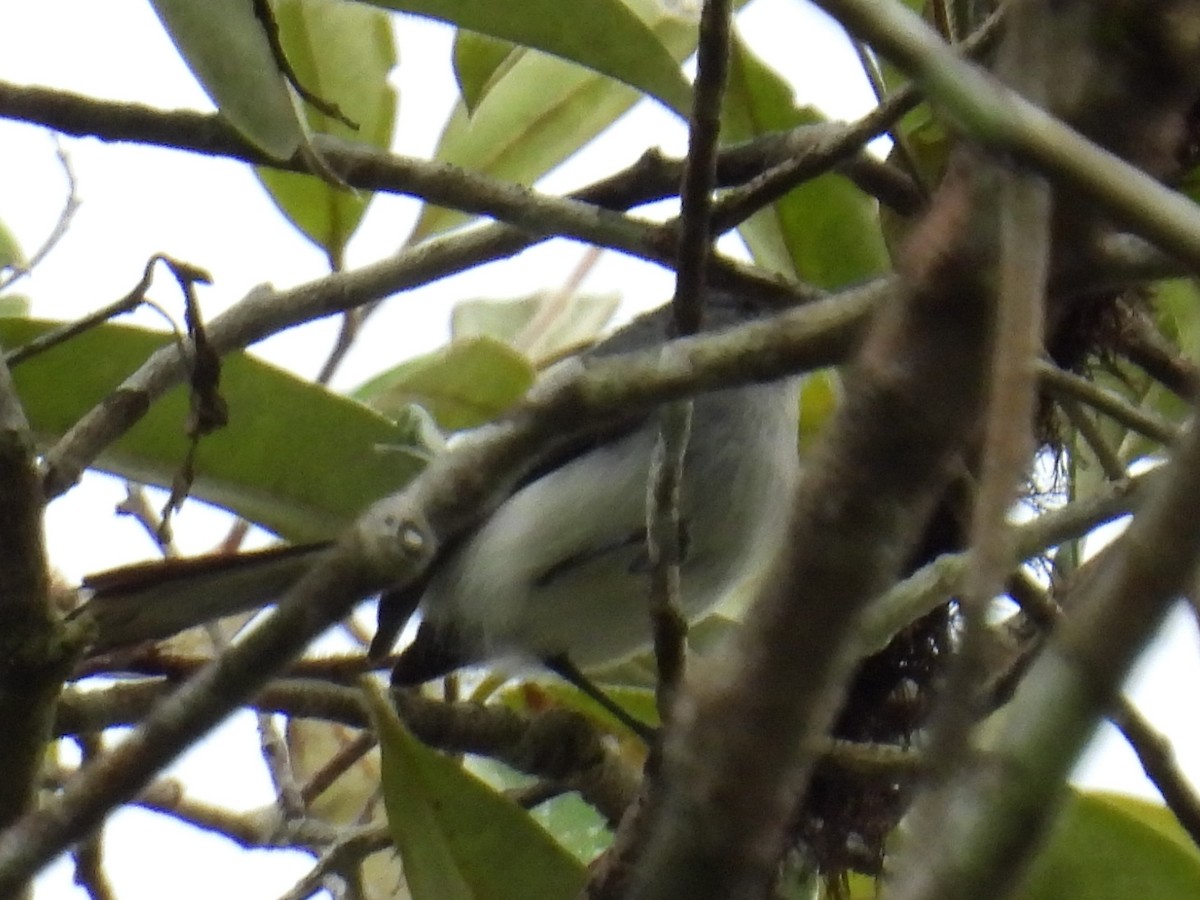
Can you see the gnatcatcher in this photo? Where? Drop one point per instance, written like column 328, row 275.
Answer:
column 559, row 571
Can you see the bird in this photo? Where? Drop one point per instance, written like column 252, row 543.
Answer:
column 559, row 573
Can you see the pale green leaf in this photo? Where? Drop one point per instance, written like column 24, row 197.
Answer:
column 479, row 62
column 542, row 111
column 826, row 231
column 295, row 458
column 462, row 385
column 501, row 320
column 458, row 838
column 14, row 305
column 1109, row 847
column 526, row 324
column 602, row 35
column 343, row 53
column 11, row 256
column 226, row 47
column 574, row 824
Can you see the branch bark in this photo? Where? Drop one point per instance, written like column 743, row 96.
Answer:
column 35, row 654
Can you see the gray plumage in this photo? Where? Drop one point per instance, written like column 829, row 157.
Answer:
column 559, row 569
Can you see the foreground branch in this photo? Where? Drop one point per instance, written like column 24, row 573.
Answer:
column 33, row 652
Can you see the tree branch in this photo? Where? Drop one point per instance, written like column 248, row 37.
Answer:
column 1009, row 124
column 910, row 397
column 35, row 652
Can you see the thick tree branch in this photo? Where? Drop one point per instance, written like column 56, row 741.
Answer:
column 748, row 724
column 34, row 656
column 1134, row 95
column 910, row 406
column 557, row 745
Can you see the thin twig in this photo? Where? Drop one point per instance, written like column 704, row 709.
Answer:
column 361, row 166
column 1146, row 347
column 664, row 537
column 61, row 226
column 936, row 582
column 89, row 855
column 700, row 166
column 131, row 301
column 1086, row 428
column 837, row 145
column 1157, row 756
column 337, row 765
column 349, row 851
column 275, row 754
column 1066, row 384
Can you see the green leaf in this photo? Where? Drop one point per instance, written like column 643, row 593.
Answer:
column 226, row 47
column 826, row 231
column 542, row 111
column 295, row 458
column 479, row 62
column 526, row 325
column 1109, row 847
column 11, row 256
column 819, row 395
column 462, row 385
column 501, row 320
column 536, row 695
column 12, row 305
column 1177, row 305
column 574, row 824
column 343, row 53
column 862, row 887
column 602, row 35
column 458, row 838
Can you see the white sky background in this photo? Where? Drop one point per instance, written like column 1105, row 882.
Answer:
column 138, row 201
